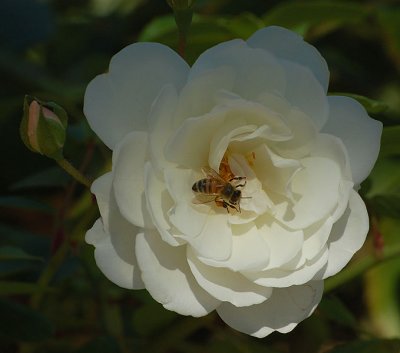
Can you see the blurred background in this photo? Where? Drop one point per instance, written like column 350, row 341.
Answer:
column 53, row 297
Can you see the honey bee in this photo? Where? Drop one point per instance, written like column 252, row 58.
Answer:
column 224, row 191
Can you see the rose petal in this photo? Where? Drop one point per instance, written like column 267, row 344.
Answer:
column 226, row 285
column 158, row 203
column 288, row 45
column 286, row 277
column 115, row 249
column 196, row 134
column 119, row 102
column 128, row 168
column 101, row 188
column 215, row 239
column 274, row 171
column 160, row 126
column 332, row 147
column 168, row 278
column 281, row 312
column 303, row 136
column 199, row 95
column 304, row 92
column 349, row 121
column 348, row 235
column 256, row 70
column 316, row 237
column 318, row 186
column 283, row 244
column 249, row 250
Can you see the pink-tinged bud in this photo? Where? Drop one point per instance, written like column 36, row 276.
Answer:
column 43, row 127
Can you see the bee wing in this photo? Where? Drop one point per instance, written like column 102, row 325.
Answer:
column 203, row 198
column 211, row 173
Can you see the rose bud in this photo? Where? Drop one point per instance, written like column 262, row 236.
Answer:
column 43, row 127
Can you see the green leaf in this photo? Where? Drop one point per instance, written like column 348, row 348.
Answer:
column 100, row 345
column 204, row 33
column 389, row 19
column 51, row 177
column 151, row 318
column 381, row 284
column 370, row 346
column 301, row 16
column 13, row 253
column 372, row 106
column 390, row 142
column 20, row 323
column 336, row 311
column 18, row 288
column 24, row 203
column 384, row 190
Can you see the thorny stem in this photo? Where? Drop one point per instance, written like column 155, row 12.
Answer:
column 361, row 266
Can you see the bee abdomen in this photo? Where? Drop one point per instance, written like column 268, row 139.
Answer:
column 202, row 185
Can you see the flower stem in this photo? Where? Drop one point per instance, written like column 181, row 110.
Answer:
column 75, row 173
column 360, row 267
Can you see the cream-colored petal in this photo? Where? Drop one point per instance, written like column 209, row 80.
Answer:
column 128, row 168
column 115, row 251
column 119, row 101
column 317, row 186
column 255, row 70
column 101, row 188
column 281, row 312
column 284, row 244
column 161, row 126
column 282, row 277
column 286, row 44
column 168, row 278
column 361, row 135
column 227, row 285
column 305, row 92
column 250, row 252
column 348, row 235
column 158, row 203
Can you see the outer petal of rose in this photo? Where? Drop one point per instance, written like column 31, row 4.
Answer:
column 122, row 270
column 168, row 278
column 312, row 100
column 348, row 235
column 161, row 126
column 119, row 102
column 101, row 188
column 281, row 312
column 227, row 285
column 256, row 70
column 128, row 168
column 114, row 238
column 288, row 45
column 361, row 134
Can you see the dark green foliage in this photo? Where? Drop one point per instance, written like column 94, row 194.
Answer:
column 53, row 298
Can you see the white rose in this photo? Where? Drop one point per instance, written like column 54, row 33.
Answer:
column 262, row 104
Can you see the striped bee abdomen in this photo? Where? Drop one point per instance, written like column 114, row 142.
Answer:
column 206, row 186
